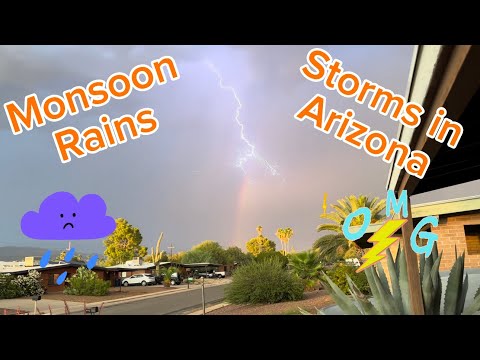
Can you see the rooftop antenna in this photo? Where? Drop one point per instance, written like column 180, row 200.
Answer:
column 171, row 247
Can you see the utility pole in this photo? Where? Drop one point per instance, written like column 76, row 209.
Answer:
column 171, row 247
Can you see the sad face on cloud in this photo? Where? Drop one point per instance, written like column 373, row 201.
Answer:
column 62, row 217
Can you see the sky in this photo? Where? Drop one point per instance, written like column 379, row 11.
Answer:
column 183, row 179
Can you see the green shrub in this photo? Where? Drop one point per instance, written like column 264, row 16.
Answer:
column 86, row 282
column 263, row 282
column 338, row 275
column 30, row 284
column 276, row 255
column 9, row 289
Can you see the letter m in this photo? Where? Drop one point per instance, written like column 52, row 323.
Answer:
column 17, row 117
column 400, row 204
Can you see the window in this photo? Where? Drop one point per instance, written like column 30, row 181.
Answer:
column 52, row 279
column 472, row 237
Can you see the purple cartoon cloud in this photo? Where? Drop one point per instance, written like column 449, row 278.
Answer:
column 62, row 217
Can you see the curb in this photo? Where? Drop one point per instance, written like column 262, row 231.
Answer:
column 107, row 303
column 209, row 309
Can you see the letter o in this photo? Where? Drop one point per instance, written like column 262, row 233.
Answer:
column 380, row 148
column 47, row 107
column 355, row 80
column 127, row 88
column 137, row 84
column 367, row 217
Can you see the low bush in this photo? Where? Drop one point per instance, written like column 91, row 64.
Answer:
column 263, row 282
column 9, row 289
column 276, row 255
column 86, row 282
column 30, row 284
column 338, row 275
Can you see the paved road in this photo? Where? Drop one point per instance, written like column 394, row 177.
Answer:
column 168, row 304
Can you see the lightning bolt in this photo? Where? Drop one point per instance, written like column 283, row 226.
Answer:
column 250, row 153
column 383, row 241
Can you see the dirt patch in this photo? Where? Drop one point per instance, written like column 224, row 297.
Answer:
column 311, row 300
column 113, row 294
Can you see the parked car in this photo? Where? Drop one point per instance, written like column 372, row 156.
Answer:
column 204, row 274
column 219, row 274
column 175, row 279
column 139, row 279
column 210, row 274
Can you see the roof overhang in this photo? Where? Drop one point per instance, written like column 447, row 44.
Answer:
column 447, row 76
column 201, row 265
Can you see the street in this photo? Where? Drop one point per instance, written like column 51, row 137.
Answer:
column 174, row 303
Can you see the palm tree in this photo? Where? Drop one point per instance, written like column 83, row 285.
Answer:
column 333, row 246
column 348, row 205
column 306, row 265
column 280, row 235
column 284, row 235
column 259, row 230
column 288, row 235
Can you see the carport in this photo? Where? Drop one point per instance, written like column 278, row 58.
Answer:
column 441, row 76
column 200, row 267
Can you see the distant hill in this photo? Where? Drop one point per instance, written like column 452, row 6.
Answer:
column 12, row 253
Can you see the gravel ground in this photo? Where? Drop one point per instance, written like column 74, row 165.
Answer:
column 311, row 300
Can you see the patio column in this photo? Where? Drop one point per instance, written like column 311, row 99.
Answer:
column 414, row 287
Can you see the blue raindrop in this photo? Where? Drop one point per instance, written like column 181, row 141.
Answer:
column 61, row 278
column 45, row 258
column 92, row 261
column 69, row 254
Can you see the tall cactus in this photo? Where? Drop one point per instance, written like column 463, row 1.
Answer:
column 157, row 255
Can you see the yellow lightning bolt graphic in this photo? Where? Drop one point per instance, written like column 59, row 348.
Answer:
column 383, row 241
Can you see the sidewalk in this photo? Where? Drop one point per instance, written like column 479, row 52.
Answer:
column 27, row 304
column 209, row 309
column 58, row 306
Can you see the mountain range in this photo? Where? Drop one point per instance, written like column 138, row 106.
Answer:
column 12, row 253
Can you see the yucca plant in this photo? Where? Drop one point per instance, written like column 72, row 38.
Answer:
column 157, row 255
column 393, row 298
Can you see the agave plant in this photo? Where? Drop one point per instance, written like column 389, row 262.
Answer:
column 394, row 299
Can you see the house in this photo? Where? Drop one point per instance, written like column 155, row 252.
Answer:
column 137, row 266
column 458, row 228
column 50, row 273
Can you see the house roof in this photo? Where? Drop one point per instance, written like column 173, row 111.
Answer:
column 200, row 265
column 18, row 267
column 130, row 266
